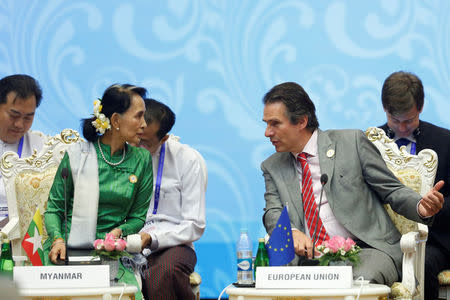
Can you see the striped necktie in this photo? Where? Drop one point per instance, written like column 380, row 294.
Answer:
column 309, row 204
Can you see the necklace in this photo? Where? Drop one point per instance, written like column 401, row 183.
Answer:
column 104, row 158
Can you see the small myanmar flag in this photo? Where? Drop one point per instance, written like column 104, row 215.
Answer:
column 32, row 242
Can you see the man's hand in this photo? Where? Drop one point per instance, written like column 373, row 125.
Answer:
column 303, row 245
column 432, row 201
column 146, row 239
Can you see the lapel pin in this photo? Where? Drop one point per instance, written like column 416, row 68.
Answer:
column 330, row 153
column 133, row 178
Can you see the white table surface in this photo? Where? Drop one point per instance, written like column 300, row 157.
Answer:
column 82, row 293
column 368, row 291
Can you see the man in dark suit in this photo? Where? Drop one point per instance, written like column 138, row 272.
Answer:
column 403, row 97
column 359, row 184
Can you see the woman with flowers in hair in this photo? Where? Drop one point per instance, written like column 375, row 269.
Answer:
column 108, row 182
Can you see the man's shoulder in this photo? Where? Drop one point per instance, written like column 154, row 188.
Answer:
column 436, row 130
column 36, row 139
column 277, row 158
column 183, row 152
column 339, row 132
column 35, row 135
column 175, row 146
column 340, row 135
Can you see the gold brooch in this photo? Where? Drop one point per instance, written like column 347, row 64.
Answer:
column 133, row 178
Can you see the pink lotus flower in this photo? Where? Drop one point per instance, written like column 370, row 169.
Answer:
column 120, row 245
column 110, row 237
column 99, row 244
column 110, row 245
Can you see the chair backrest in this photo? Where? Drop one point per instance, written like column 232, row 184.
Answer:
column 415, row 171
column 27, row 183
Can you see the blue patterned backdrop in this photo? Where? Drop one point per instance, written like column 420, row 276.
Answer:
column 212, row 61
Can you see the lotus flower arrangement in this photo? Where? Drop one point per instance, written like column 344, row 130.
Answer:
column 111, row 247
column 339, row 249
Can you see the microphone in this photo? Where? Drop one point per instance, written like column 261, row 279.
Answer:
column 323, row 181
column 313, row 262
column 64, row 175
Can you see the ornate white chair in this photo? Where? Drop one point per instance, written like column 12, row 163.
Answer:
column 417, row 172
column 444, row 284
column 27, row 184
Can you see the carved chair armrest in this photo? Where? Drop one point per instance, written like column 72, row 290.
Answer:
column 408, row 244
column 195, row 278
column 11, row 229
column 423, row 231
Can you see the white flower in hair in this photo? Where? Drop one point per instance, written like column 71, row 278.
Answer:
column 101, row 123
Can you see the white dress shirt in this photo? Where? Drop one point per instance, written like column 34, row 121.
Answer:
column 180, row 217
column 332, row 225
column 32, row 140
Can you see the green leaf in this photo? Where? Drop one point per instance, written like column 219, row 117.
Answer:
column 114, row 255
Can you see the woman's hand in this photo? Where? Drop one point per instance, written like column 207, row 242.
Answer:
column 117, row 232
column 58, row 249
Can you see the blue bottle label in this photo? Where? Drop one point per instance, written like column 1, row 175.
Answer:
column 244, row 264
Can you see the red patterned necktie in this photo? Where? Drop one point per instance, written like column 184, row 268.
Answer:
column 309, row 204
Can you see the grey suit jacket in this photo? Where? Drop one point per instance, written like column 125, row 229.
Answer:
column 359, row 183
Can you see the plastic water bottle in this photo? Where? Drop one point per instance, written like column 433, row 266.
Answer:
column 244, row 259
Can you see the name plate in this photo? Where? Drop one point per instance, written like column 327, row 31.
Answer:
column 304, row 277
column 48, row 277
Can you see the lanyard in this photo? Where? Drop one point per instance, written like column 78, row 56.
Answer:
column 19, row 150
column 413, row 148
column 159, row 177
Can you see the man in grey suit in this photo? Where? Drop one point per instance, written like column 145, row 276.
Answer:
column 359, row 184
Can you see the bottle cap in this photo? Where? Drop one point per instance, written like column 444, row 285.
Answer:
column 261, row 240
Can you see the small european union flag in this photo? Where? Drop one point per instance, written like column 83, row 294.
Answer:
column 280, row 246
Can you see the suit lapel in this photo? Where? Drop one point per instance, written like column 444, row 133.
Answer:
column 421, row 143
column 327, row 153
